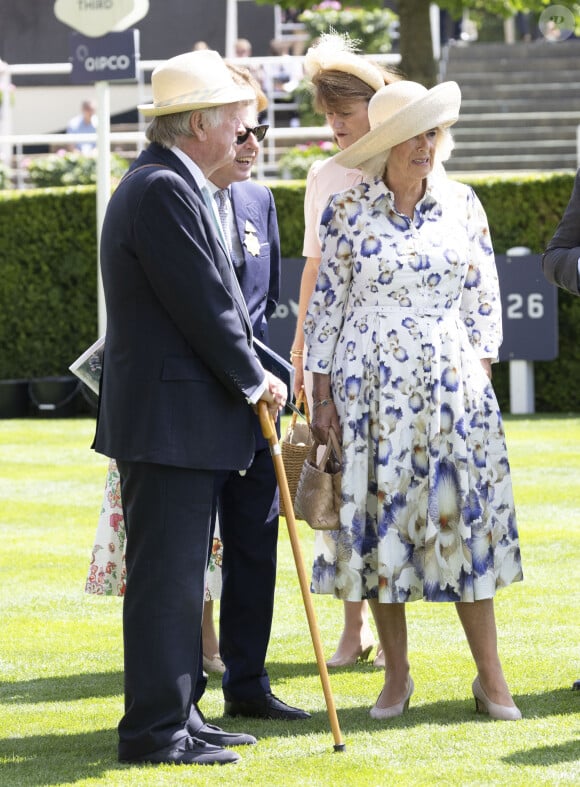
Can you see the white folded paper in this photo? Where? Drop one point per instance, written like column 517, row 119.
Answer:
column 89, row 365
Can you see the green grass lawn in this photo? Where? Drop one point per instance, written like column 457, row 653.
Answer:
column 61, row 655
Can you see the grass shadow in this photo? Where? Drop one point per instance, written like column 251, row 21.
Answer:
column 57, row 759
column 62, row 689
column 546, row 755
column 451, row 712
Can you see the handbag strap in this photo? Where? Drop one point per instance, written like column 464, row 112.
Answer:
column 301, row 400
column 336, row 447
column 332, row 446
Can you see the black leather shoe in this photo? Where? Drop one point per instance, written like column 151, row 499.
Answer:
column 187, row 751
column 199, row 728
column 266, row 707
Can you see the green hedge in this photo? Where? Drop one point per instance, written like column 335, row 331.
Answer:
column 48, row 302
column 48, row 311
column 525, row 211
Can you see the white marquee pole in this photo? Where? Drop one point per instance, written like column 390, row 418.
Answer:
column 103, row 183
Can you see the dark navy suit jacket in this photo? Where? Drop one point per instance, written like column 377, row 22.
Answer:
column 258, row 273
column 259, row 270
column 560, row 261
column 178, row 364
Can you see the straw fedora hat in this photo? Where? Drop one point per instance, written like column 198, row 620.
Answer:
column 195, row 80
column 399, row 112
column 337, row 52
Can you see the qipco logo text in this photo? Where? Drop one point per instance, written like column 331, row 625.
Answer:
column 110, row 63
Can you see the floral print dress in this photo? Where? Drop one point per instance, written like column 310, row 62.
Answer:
column 107, row 575
column 402, row 312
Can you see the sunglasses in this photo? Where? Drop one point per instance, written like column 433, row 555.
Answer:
column 259, row 132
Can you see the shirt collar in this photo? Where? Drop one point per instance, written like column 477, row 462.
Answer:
column 432, row 196
column 213, row 188
column 195, row 171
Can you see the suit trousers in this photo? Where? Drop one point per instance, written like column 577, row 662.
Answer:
column 167, row 515
column 248, row 516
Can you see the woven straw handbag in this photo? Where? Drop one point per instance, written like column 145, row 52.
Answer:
column 319, row 489
column 295, row 446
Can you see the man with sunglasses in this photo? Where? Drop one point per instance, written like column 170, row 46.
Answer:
column 247, row 503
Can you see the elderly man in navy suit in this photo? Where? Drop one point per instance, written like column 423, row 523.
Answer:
column 248, row 503
column 179, row 380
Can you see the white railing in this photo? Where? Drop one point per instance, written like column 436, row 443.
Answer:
column 11, row 145
column 265, row 164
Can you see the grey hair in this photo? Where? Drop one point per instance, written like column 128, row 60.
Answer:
column 166, row 130
column 376, row 165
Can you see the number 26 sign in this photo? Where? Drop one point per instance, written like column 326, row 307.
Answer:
column 530, row 310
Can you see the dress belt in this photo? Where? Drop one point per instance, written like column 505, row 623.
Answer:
column 408, row 311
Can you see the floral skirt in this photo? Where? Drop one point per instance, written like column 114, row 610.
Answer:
column 107, row 572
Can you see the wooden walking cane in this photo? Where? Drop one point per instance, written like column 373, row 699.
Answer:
column 269, row 432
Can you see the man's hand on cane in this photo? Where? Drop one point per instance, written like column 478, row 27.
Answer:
column 275, row 395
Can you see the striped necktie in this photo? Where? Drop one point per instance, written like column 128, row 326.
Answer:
column 211, row 206
column 223, row 200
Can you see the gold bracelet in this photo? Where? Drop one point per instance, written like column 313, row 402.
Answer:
column 296, row 354
column 321, row 403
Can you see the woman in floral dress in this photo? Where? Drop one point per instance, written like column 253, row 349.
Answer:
column 401, row 331
column 342, row 83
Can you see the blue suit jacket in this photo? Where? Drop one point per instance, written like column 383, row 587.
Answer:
column 560, row 260
column 178, row 363
column 258, row 271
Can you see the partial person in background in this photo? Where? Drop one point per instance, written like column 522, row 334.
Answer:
column 85, row 123
column 402, row 329
column 107, row 574
column 243, row 50
column 343, row 82
column 561, row 260
column 179, row 383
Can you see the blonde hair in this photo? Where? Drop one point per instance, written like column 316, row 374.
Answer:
column 243, row 76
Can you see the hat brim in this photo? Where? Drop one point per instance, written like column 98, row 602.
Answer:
column 438, row 108
column 205, row 100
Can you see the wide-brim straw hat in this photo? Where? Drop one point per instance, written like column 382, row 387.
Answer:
column 399, row 112
column 194, row 80
column 337, row 52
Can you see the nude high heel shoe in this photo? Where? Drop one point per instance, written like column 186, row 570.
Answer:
column 214, row 664
column 394, row 710
column 484, row 705
column 362, row 654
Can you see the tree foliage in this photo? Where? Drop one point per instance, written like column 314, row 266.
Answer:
column 417, row 62
column 503, row 8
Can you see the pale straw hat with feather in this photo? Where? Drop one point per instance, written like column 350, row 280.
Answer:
column 194, row 80
column 337, row 52
column 399, row 112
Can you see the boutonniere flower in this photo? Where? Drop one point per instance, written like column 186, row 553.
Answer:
column 251, row 241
